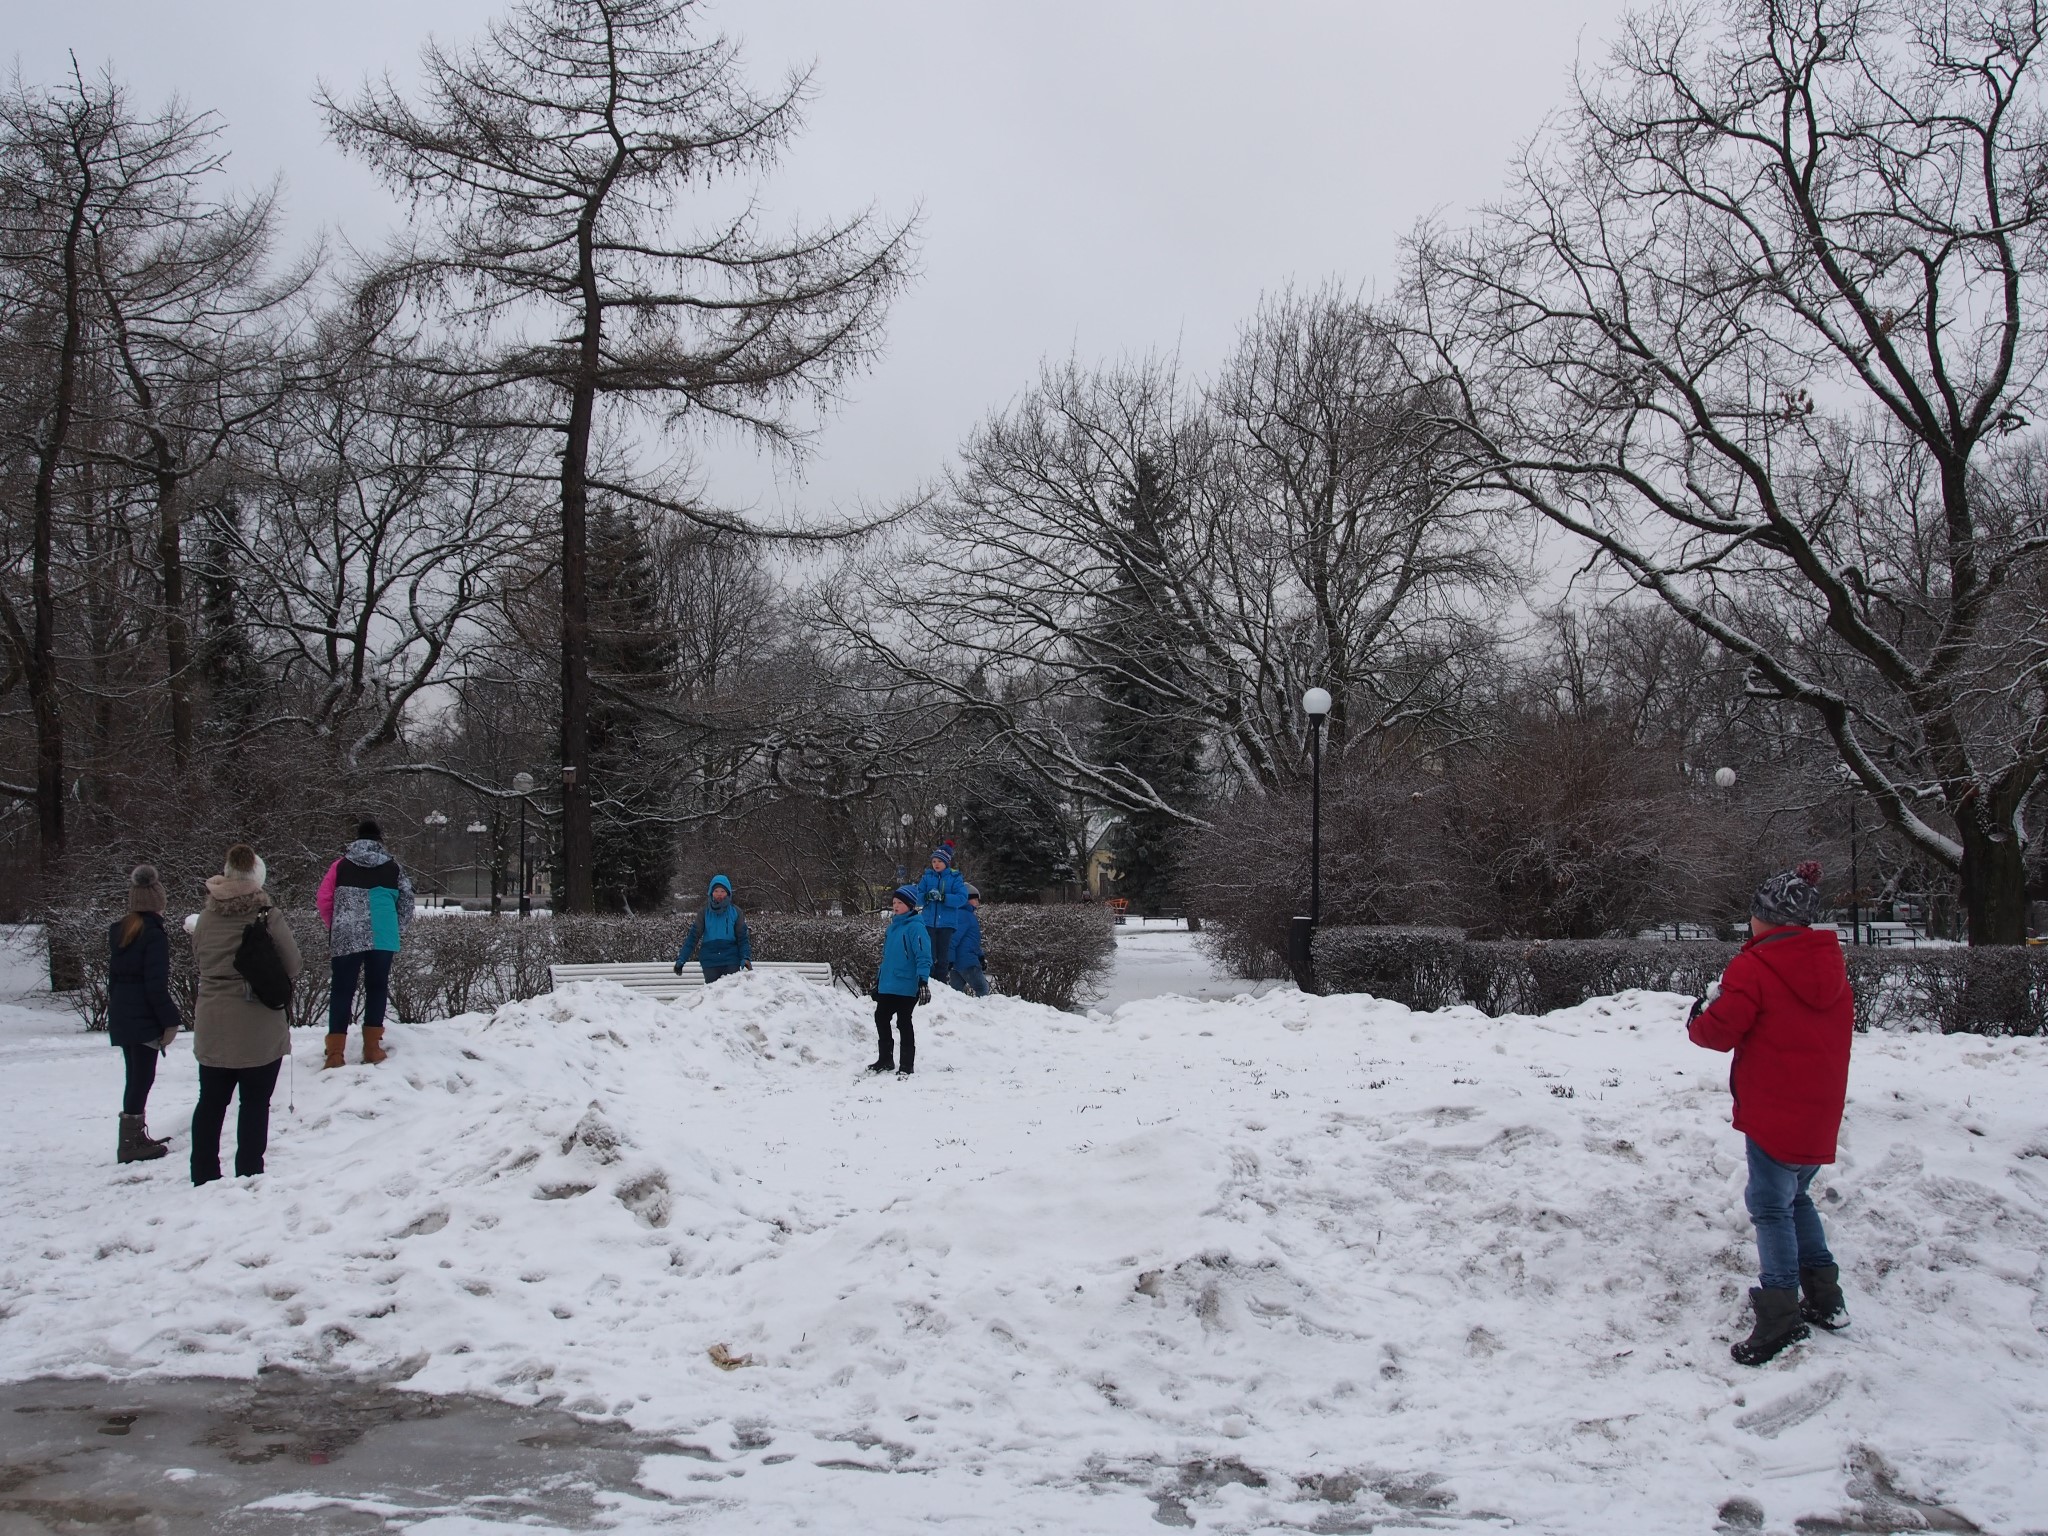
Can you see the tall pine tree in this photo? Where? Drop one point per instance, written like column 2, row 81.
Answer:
column 1013, row 825
column 1142, row 730
column 630, row 662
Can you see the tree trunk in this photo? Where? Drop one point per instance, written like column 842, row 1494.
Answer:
column 170, row 557
column 40, row 665
column 579, row 891
column 1994, row 881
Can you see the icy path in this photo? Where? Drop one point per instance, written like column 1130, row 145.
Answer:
column 1253, row 1265
column 1165, row 960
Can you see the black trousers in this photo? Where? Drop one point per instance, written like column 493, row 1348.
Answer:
column 141, row 1060
column 942, row 952
column 890, row 1007
column 252, row 1122
column 374, row 967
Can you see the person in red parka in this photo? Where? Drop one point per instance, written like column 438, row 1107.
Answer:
column 1784, row 1007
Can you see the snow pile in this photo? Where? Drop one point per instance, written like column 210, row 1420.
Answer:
column 1264, row 1263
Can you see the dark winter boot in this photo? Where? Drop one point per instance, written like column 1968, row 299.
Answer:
column 879, row 1067
column 336, row 1044
column 373, row 1045
column 137, row 1145
column 1777, row 1324
column 1820, row 1298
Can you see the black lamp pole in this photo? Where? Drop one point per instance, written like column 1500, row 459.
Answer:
column 523, row 783
column 1301, row 948
column 1315, row 822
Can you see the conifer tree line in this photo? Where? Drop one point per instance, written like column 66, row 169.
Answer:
column 1712, row 443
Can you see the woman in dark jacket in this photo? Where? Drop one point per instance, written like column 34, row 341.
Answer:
column 142, row 1017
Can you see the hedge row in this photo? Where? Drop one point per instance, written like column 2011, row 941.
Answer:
column 2000, row 991
column 451, row 965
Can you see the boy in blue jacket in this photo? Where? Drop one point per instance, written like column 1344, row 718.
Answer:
column 968, row 975
column 944, row 896
column 720, row 932
column 906, row 967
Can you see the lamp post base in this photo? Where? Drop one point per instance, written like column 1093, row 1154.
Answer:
column 1301, row 953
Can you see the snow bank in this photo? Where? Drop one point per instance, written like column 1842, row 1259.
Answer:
column 1244, row 1265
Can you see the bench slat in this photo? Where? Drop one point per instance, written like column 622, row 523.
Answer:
column 657, row 978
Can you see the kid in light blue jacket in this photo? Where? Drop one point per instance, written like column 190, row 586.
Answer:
column 943, row 894
column 906, row 967
column 718, row 935
column 968, row 975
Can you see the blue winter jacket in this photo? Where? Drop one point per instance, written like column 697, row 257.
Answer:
column 967, row 941
column 943, row 895
column 906, row 957
column 139, row 1002
column 719, row 932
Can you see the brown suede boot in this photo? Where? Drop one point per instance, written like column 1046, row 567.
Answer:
column 373, row 1046
column 136, row 1144
column 335, row 1045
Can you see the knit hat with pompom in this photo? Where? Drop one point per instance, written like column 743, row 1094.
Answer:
column 1792, row 896
column 145, row 889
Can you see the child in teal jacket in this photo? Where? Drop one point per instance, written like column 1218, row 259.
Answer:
column 906, row 968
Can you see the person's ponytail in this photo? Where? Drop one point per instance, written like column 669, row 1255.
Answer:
column 131, row 925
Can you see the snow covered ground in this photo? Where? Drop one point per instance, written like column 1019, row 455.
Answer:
column 1248, row 1265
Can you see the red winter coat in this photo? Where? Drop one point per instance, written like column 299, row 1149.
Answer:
column 1786, row 1012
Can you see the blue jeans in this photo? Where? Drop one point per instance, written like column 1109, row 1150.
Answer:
column 374, row 967
column 971, row 979
column 1789, row 1237
column 720, row 972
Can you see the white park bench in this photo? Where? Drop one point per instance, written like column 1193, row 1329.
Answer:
column 658, row 978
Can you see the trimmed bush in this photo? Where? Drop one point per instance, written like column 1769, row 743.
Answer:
column 1993, row 991
column 450, row 965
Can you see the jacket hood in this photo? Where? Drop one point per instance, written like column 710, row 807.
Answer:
column 718, row 882
column 235, row 898
column 1808, row 960
column 368, row 852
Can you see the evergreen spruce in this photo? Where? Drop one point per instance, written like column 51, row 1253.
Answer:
column 1142, row 731
column 1012, row 822
column 630, row 662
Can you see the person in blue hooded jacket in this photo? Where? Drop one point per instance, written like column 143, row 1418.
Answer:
column 943, row 894
column 968, row 975
column 906, row 967
column 718, row 935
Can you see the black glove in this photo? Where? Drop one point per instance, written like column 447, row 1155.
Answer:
column 1699, row 1006
column 679, row 967
column 924, row 992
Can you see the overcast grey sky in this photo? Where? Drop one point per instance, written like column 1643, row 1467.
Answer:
column 1100, row 177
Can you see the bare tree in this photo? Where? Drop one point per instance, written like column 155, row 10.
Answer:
column 545, row 166
column 378, row 528
column 190, row 318
column 1762, row 322
column 1296, row 530
column 64, row 155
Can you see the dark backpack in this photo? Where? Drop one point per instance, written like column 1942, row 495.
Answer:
column 259, row 964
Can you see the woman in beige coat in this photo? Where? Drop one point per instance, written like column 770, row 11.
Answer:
column 239, row 1042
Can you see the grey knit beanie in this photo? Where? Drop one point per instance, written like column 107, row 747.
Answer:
column 1791, row 896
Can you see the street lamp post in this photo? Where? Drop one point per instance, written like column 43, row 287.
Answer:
column 476, row 859
column 435, row 821
column 903, row 864
column 522, row 784
column 1316, row 705
column 1855, row 865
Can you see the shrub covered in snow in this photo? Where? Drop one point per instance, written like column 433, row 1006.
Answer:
column 450, row 966
column 1960, row 991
